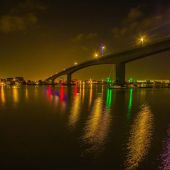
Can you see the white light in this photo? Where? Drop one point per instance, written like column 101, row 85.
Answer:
column 96, row 55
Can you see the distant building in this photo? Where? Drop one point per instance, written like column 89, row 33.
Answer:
column 30, row 82
column 10, row 81
column 20, row 81
column 2, row 81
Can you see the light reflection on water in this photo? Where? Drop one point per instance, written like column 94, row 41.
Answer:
column 98, row 119
column 109, row 98
column 58, row 97
column 49, row 93
column 26, row 93
column 140, row 138
column 15, row 94
column 165, row 157
column 2, row 93
column 83, row 92
column 75, row 108
column 130, row 103
column 97, row 127
column 91, row 94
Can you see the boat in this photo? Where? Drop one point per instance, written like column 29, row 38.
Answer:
column 117, row 87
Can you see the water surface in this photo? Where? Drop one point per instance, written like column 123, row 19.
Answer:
column 84, row 127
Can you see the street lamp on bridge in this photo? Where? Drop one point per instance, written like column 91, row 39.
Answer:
column 96, row 55
column 142, row 40
column 75, row 63
column 102, row 50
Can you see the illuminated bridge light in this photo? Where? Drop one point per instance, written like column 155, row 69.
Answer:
column 102, row 50
column 96, row 55
column 75, row 63
column 142, row 40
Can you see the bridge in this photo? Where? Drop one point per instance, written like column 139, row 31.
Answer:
column 119, row 59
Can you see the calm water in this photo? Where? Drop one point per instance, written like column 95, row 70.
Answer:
column 87, row 127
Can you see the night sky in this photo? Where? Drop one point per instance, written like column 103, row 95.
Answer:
column 41, row 37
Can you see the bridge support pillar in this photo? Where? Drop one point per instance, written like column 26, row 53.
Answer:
column 53, row 82
column 120, row 73
column 69, row 79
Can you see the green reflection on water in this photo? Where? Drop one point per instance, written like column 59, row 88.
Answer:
column 109, row 98
column 130, row 103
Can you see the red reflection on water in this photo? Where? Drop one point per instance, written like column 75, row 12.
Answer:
column 49, row 93
column 75, row 89
column 61, row 93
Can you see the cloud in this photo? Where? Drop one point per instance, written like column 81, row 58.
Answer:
column 134, row 14
column 21, row 17
column 136, row 22
column 28, row 6
column 10, row 23
column 85, row 37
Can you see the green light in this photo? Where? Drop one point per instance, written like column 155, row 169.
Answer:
column 109, row 80
column 109, row 98
column 130, row 80
column 130, row 102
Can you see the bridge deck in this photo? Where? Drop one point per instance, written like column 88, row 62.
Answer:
column 121, row 57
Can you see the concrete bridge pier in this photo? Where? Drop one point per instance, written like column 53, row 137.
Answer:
column 120, row 73
column 53, row 82
column 69, row 79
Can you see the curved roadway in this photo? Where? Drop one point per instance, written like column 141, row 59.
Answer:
column 121, row 57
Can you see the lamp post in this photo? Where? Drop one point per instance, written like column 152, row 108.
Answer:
column 102, row 50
